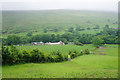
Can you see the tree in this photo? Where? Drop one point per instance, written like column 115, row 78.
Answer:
column 55, row 30
column 67, row 36
column 26, row 56
column 71, row 29
column 25, row 39
column 13, row 49
column 78, row 28
column 45, row 30
column 108, row 20
column 86, row 51
column 5, row 55
column 53, row 37
column 64, row 40
column 96, row 27
column 38, row 56
column 73, row 54
column 61, row 57
column 9, row 55
column 29, row 34
column 13, row 39
column 78, row 43
column 35, row 55
column 106, row 26
column 97, row 41
column 88, row 28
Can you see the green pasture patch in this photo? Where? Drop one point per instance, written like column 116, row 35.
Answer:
column 85, row 66
column 62, row 48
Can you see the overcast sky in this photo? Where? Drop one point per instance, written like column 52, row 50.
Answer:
column 99, row 5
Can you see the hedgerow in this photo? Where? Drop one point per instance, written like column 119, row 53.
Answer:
column 10, row 55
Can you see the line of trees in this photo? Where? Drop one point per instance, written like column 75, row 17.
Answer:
column 11, row 55
column 108, row 36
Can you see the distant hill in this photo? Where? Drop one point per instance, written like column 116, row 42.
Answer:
column 17, row 22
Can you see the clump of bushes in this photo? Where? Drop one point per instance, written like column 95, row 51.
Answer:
column 79, row 43
column 73, row 54
column 38, row 56
column 58, row 57
column 10, row 55
column 86, row 51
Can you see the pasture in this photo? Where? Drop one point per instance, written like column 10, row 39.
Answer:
column 62, row 48
column 86, row 66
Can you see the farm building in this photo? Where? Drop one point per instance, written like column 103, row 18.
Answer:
column 37, row 43
column 70, row 42
column 56, row 43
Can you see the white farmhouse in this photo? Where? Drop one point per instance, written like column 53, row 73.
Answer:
column 37, row 43
column 56, row 43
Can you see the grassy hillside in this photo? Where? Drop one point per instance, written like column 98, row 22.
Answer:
column 86, row 66
column 22, row 22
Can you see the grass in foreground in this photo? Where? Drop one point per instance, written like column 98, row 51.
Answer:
column 86, row 66
column 0, row 72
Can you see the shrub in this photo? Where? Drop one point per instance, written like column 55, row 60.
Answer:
column 13, row 39
column 13, row 58
column 38, row 56
column 26, row 56
column 97, row 41
column 97, row 27
column 71, row 29
column 79, row 43
column 51, row 58
column 86, row 51
column 80, row 53
column 20, row 58
column 43, row 57
column 73, row 54
column 9, row 55
column 88, row 28
column 58, row 56
column 66, row 57
column 61, row 57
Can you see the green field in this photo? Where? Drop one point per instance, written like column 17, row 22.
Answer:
column 62, row 48
column 86, row 66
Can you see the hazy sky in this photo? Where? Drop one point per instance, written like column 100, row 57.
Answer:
column 106, row 5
